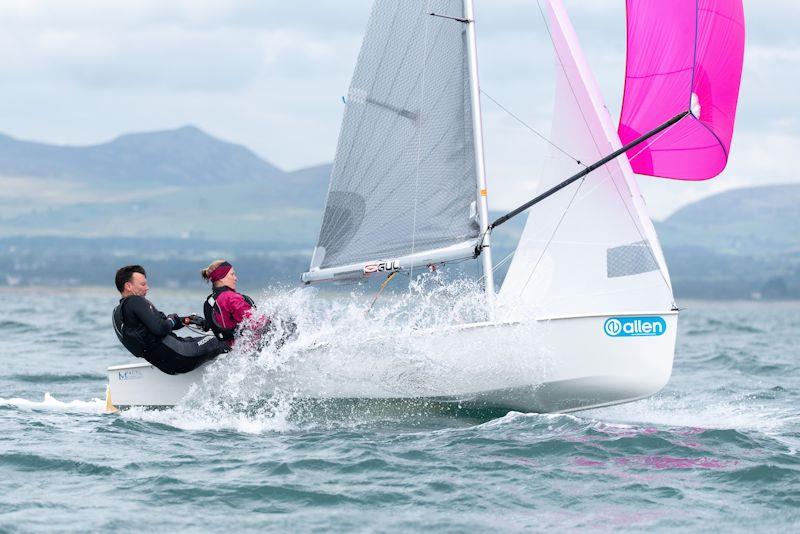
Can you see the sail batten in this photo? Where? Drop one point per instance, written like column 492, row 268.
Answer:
column 404, row 177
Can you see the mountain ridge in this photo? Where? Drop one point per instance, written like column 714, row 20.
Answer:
column 184, row 184
column 185, row 155
column 751, row 220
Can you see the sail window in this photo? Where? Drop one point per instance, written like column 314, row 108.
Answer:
column 628, row 260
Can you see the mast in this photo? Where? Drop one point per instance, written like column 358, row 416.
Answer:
column 480, row 165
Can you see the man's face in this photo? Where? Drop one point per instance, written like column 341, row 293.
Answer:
column 137, row 286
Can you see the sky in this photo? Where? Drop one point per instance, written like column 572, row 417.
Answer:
column 270, row 75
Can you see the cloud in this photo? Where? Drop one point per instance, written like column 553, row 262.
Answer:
column 263, row 74
column 269, row 74
column 319, row 15
column 166, row 57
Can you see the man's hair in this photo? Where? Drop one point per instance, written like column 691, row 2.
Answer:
column 125, row 274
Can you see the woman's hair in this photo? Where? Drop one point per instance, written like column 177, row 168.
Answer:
column 206, row 273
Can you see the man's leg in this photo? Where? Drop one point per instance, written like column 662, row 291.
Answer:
column 181, row 355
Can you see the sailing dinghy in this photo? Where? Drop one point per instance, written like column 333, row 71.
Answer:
column 408, row 190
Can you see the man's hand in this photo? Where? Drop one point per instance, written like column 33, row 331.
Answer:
column 195, row 320
column 177, row 322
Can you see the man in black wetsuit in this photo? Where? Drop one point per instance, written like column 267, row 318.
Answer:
column 147, row 333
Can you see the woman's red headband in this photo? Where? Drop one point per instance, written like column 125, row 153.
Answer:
column 220, row 272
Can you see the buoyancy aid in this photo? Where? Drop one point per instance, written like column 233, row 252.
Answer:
column 136, row 338
column 210, row 306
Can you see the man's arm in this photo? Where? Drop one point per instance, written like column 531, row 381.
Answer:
column 153, row 320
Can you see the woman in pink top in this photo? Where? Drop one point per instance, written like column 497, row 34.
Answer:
column 224, row 308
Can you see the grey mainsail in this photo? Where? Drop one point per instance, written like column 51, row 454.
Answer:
column 404, row 179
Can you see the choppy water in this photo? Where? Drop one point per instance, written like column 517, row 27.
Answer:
column 717, row 449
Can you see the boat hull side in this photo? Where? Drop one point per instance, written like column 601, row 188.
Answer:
column 141, row 384
column 575, row 364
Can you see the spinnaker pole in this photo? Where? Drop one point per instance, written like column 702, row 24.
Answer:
column 593, row 167
column 480, row 162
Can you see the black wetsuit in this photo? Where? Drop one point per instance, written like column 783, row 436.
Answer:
column 147, row 333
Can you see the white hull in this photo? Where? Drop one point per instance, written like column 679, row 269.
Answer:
column 562, row 364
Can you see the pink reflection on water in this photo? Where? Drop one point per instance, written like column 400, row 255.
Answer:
column 689, row 431
column 671, row 462
column 658, row 462
column 528, row 462
column 585, row 462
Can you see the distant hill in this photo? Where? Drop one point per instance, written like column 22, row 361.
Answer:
column 170, row 262
column 192, row 196
column 743, row 243
column 171, row 184
column 755, row 220
column 183, row 157
column 174, row 184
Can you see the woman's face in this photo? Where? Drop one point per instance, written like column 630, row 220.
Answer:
column 230, row 279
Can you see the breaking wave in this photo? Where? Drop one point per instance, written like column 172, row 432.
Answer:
column 411, row 344
column 52, row 404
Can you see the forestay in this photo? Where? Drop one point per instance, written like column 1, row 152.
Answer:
column 590, row 249
column 403, row 185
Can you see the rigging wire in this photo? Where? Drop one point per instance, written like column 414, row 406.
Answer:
column 531, row 128
column 501, row 263
column 555, row 231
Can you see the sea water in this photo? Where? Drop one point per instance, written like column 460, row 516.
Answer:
column 716, row 449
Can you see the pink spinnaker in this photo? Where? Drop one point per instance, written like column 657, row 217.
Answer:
column 682, row 55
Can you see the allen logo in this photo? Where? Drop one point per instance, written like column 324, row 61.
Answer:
column 381, row 267
column 634, row 326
